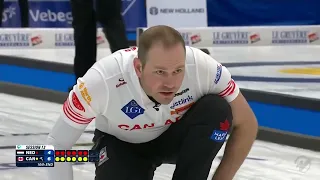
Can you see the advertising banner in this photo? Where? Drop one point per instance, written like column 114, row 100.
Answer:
column 177, row 13
column 43, row 38
column 249, row 36
column 57, row 14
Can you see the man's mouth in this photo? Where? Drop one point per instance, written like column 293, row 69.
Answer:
column 167, row 93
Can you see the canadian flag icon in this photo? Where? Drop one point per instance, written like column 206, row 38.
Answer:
column 20, row 158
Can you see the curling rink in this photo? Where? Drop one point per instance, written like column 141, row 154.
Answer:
column 291, row 70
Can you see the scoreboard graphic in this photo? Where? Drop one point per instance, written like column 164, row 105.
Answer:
column 72, row 156
column 46, row 156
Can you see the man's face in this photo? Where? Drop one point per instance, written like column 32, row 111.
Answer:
column 163, row 73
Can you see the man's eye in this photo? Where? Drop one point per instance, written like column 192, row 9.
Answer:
column 159, row 72
column 178, row 71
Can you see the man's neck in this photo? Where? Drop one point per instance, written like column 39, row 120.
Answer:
column 150, row 97
column 153, row 100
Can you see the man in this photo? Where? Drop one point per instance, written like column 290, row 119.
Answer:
column 108, row 13
column 162, row 102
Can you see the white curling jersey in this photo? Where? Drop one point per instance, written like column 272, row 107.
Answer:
column 111, row 94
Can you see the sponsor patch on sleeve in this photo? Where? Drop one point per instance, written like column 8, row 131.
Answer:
column 218, row 74
column 76, row 102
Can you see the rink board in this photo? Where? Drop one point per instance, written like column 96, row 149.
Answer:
column 278, row 123
column 283, row 118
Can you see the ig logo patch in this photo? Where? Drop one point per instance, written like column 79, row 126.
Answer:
column 132, row 109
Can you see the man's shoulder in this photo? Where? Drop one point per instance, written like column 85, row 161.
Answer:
column 195, row 56
column 193, row 51
column 117, row 63
column 199, row 56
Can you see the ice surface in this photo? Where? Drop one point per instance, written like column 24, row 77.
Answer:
column 28, row 121
column 26, row 117
column 255, row 54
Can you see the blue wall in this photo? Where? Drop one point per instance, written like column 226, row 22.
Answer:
column 220, row 13
column 263, row 12
column 273, row 116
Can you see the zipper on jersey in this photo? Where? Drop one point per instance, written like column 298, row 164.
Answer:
column 159, row 115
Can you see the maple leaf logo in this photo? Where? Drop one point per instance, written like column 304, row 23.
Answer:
column 224, row 126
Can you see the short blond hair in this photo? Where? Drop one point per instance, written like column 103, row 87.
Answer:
column 165, row 35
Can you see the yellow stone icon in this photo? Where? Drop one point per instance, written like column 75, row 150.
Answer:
column 68, row 159
column 37, row 158
column 85, row 159
column 57, row 159
column 74, row 159
column 79, row 159
column 62, row 159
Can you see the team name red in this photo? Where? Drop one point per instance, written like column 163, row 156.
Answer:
column 145, row 126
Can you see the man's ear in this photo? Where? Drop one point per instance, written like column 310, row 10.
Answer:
column 137, row 66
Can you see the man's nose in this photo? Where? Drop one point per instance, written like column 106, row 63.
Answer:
column 169, row 83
